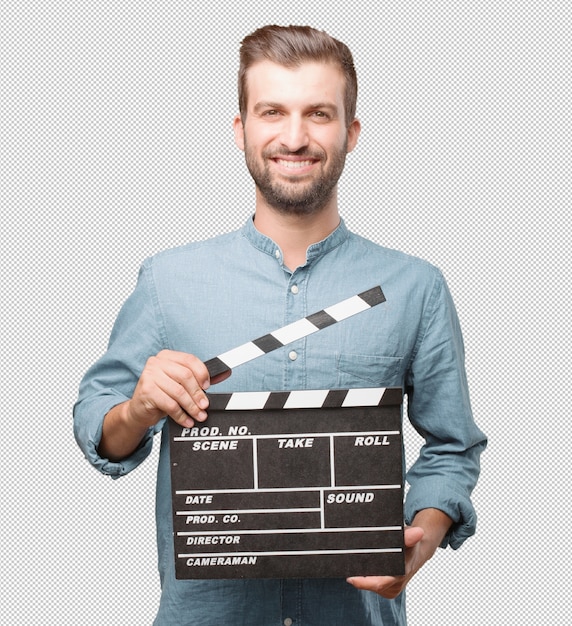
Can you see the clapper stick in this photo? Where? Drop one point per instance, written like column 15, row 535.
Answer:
column 297, row 330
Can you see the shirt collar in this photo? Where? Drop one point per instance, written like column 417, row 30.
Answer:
column 316, row 250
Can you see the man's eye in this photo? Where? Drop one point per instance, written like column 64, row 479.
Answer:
column 271, row 112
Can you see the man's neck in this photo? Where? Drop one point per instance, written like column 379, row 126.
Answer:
column 296, row 233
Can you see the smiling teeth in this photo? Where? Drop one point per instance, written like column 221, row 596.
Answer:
column 294, row 164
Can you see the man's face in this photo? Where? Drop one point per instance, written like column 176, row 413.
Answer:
column 294, row 136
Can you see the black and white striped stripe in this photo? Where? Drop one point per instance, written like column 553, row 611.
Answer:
column 297, row 330
column 305, row 399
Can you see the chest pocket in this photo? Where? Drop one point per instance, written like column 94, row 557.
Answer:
column 365, row 370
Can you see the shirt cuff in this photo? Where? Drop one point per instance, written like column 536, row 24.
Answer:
column 88, row 426
column 446, row 498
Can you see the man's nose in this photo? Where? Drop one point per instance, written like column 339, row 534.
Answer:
column 294, row 134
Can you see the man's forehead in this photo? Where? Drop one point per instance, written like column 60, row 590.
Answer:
column 267, row 80
column 269, row 68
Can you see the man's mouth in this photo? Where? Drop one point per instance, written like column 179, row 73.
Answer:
column 294, row 165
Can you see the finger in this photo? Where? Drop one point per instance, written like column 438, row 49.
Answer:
column 386, row 586
column 412, row 535
column 190, row 361
column 164, row 388
column 189, row 372
column 156, row 397
column 195, row 402
column 184, row 397
column 370, row 582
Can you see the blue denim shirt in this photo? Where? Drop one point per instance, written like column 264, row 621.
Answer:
column 208, row 297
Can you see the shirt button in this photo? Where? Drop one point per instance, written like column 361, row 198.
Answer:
column 277, row 254
column 294, row 289
column 288, row 621
column 293, row 355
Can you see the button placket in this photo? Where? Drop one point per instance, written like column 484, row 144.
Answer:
column 294, row 375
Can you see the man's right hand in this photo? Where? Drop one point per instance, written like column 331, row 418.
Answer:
column 172, row 383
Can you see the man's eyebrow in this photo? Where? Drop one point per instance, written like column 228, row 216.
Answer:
column 324, row 105
column 311, row 107
column 267, row 105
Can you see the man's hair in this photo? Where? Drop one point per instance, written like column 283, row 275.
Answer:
column 290, row 46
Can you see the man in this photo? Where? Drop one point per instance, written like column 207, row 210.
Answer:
column 297, row 98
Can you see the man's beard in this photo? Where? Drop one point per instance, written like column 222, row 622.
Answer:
column 290, row 197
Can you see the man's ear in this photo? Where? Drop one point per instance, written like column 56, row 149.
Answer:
column 353, row 134
column 238, row 132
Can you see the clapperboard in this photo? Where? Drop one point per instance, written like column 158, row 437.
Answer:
column 295, row 484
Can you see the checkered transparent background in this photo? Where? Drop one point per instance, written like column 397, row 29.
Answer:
column 117, row 143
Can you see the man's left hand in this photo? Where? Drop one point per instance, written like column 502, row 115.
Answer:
column 421, row 541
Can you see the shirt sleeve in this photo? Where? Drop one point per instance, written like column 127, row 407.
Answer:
column 448, row 466
column 136, row 335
